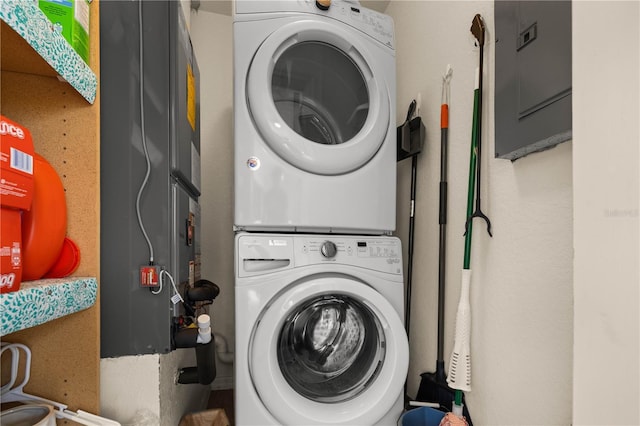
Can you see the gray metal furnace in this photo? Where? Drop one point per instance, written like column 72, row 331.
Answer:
column 153, row 145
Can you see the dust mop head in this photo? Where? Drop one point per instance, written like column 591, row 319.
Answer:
column 460, row 363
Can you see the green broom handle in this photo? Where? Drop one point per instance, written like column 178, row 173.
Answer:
column 472, row 181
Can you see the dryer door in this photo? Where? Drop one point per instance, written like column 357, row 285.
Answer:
column 329, row 350
column 316, row 98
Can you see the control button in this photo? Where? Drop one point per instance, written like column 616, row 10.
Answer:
column 328, row 249
column 323, row 4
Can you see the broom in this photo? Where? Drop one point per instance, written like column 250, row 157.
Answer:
column 433, row 386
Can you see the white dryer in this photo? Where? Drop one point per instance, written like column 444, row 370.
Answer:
column 314, row 118
column 319, row 330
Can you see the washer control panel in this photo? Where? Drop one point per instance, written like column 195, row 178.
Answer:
column 371, row 252
column 261, row 253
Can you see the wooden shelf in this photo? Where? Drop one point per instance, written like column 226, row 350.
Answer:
column 64, row 121
column 38, row 302
column 30, row 45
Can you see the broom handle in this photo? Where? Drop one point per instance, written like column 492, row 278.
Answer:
column 472, row 180
column 444, row 129
column 444, row 146
column 414, row 167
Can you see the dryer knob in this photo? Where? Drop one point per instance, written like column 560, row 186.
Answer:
column 323, row 4
column 328, row 249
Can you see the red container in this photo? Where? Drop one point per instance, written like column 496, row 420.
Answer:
column 16, row 194
column 11, row 250
column 16, row 165
column 67, row 262
column 44, row 226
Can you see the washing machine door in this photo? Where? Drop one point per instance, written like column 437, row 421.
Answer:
column 316, row 98
column 329, row 350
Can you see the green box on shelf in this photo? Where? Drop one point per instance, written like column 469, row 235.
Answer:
column 71, row 19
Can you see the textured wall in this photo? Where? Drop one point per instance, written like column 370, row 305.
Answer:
column 521, row 290
column 606, row 177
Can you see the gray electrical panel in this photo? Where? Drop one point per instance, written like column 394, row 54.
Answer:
column 533, row 76
column 133, row 319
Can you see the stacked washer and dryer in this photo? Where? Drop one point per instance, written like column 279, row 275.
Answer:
column 319, row 285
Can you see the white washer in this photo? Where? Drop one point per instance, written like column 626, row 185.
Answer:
column 314, row 118
column 319, row 331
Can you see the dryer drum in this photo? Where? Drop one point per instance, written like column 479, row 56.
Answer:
column 301, row 78
column 330, row 348
column 310, row 121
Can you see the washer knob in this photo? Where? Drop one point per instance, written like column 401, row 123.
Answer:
column 323, row 4
column 328, row 249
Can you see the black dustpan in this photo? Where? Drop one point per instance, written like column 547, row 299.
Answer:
column 410, row 135
column 410, row 139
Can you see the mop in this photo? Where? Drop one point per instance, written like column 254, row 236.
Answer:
column 459, row 377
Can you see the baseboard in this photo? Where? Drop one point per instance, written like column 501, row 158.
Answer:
column 221, row 383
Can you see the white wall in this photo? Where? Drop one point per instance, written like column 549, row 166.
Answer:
column 521, row 291
column 606, row 113
column 212, row 41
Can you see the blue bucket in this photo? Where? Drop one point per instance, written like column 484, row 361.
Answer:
column 423, row 416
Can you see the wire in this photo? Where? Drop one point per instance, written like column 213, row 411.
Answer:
column 144, row 137
column 173, row 284
column 161, row 284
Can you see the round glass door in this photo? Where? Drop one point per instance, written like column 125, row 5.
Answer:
column 328, row 349
column 320, row 93
column 316, row 98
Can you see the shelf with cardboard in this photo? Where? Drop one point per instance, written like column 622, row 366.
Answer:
column 38, row 302
column 30, row 44
column 50, row 90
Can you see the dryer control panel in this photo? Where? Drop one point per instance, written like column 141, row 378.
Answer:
column 370, row 22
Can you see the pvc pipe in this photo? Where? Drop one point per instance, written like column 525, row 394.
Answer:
column 204, row 329
column 222, row 349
